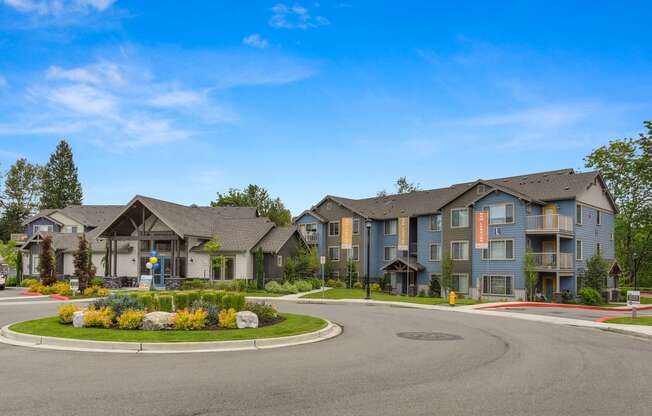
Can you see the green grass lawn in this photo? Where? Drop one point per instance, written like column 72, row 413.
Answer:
column 292, row 325
column 172, row 292
column 342, row 293
column 641, row 320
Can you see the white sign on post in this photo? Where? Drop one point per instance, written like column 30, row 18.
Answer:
column 145, row 282
column 322, row 260
column 74, row 285
column 633, row 297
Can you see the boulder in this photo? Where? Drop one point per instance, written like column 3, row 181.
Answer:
column 155, row 321
column 78, row 319
column 246, row 319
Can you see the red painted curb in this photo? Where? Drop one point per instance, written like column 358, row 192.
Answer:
column 60, row 297
column 28, row 293
column 561, row 305
column 606, row 318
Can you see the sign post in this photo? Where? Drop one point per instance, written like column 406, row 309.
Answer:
column 74, row 285
column 322, row 262
column 633, row 300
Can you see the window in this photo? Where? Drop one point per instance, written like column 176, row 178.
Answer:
column 459, row 217
column 435, row 252
column 435, row 222
column 279, row 261
column 69, row 229
column 578, row 214
column 390, row 253
column 461, row 283
column 460, row 250
column 500, row 213
column 480, row 189
column 578, row 250
column 611, row 236
column 598, row 217
column 43, row 228
column 499, row 250
column 334, row 228
column 598, row 248
column 334, row 253
column 355, row 253
column 390, row 227
column 356, row 226
column 500, row 285
column 311, row 228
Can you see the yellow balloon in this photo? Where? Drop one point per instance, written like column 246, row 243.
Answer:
column 153, row 260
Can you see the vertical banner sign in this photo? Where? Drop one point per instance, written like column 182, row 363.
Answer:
column 403, row 234
column 481, row 229
column 346, row 225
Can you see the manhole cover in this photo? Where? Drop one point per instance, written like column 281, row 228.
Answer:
column 429, row 336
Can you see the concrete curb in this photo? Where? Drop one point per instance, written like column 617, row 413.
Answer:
column 7, row 336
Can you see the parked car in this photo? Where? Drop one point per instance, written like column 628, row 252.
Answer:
column 3, row 280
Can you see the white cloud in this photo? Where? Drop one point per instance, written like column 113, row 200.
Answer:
column 58, row 7
column 550, row 116
column 176, row 99
column 98, row 74
column 295, row 17
column 256, row 41
column 79, row 98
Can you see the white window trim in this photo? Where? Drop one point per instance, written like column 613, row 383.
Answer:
column 386, row 259
column 478, row 190
column 468, row 247
column 467, row 217
column 466, row 276
column 358, row 247
column 506, row 258
column 513, row 221
column 497, row 274
column 305, row 227
column 339, row 254
column 353, row 226
column 430, row 223
column 580, row 207
column 279, row 261
column 385, row 227
column 430, row 252
column 581, row 253
column 36, row 228
column 338, row 229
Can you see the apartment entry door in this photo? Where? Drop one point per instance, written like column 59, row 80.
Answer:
column 162, row 272
column 549, row 249
column 549, row 284
column 549, row 217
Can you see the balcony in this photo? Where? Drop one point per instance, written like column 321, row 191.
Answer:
column 311, row 238
column 552, row 262
column 548, row 224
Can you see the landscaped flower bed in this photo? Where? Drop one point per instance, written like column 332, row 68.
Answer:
column 62, row 288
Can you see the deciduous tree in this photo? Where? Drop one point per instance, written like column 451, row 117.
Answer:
column 259, row 198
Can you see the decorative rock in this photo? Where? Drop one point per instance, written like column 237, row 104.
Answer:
column 155, row 321
column 246, row 319
column 78, row 319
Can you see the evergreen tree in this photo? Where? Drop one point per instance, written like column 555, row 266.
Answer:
column 60, row 184
column 84, row 269
column 46, row 264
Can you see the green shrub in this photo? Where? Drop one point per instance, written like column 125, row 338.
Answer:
column 338, row 283
column 28, row 282
column 273, row 287
column 165, row 303
column 193, row 296
column 331, row 282
column 590, row 296
column 187, row 320
column 97, row 281
column 11, row 281
column 211, row 309
column 422, row 293
column 181, row 301
column 65, row 313
column 189, row 284
column 357, row 285
column 227, row 285
column 375, row 287
column 209, row 297
column 227, row 318
column 149, row 301
column 118, row 303
column 131, row 319
column 233, row 301
column 303, row 285
column 266, row 313
column 290, row 288
column 100, row 318
column 316, row 283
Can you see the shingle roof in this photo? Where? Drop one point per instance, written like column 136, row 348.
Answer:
column 239, row 234
column 311, row 213
column 537, row 187
column 69, row 242
column 276, row 238
column 411, row 262
column 91, row 215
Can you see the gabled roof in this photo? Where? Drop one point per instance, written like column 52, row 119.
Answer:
column 239, row 234
column 87, row 215
column 276, row 238
column 44, row 213
column 311, row 213
column 69, row 242
column 404, row 262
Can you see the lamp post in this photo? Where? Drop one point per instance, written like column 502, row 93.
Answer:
column 368, row 226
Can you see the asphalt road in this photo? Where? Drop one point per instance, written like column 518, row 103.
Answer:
column 574, row 313
column 500, row 366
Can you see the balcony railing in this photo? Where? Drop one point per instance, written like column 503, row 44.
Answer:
column 551, row 261
column 311, row 238
column 553, row 223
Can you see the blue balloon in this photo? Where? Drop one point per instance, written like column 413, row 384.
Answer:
column 156, row 266
column 154, row 253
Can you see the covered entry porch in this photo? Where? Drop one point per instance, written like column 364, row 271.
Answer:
column 403, row 273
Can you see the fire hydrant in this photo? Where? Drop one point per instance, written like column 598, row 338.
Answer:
column 451, row 298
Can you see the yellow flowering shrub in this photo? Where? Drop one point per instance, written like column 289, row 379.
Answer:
column 375, row 287
column 101, row 318
column 227, row 318
column 66, row 312
column 131, row 319
column 188, row 320
column 61, row 288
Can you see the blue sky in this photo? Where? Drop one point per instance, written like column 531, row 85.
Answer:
column 185, row 99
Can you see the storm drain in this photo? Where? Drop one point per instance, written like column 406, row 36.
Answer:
column 429, row 336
